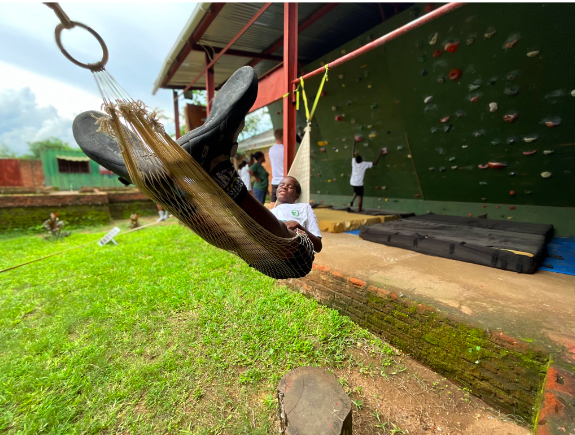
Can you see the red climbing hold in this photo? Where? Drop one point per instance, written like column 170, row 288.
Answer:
column 470, row 215
column 428, row 7
column 474, row 99
column 437, row 53
column 484, row 206
column 551, row 124
column 455, row 74
column 445, row 119
column 496, row 165
column 511, row 44
column 323, row 93
column 512, row 192
column 377, row 187
column 322, row 150
column 417, row 195
column 529, row 153
column 512, row 207
column 451, row 47
column 510, row 117
column 358, row 138
column 338, row 118
column 496, row 206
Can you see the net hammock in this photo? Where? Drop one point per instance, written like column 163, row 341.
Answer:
column 172, row 178
column 168, row 175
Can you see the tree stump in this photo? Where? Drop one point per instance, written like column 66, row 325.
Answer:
column 311, row 402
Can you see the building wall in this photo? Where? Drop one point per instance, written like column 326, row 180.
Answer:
column 439, row 132
column 10, row 173
column 32, row 173
column 73, row 181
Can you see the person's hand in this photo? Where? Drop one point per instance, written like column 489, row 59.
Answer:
column 293, row 225
column 383, row 151
column 258, row 179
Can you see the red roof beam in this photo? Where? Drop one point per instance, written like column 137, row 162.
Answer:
column 196, row 35
column 237, row 53
column 232, row 42
column 311, row 20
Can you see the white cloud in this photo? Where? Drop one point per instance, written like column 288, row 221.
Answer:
column 23, row 120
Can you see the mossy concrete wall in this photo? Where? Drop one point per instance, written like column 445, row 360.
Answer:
column 442, row 133
column 506, row 373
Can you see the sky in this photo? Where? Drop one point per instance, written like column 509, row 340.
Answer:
column 41, row 91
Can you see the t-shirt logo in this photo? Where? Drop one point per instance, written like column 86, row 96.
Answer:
column 295, row 212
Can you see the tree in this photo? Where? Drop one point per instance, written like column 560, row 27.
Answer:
column 6, row 152
column 52, row 143
column 256, row 122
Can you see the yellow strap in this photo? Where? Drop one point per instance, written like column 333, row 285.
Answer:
column 318, row 93
column 308, row 115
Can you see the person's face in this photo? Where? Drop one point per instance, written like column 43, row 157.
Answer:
column 286, row 191
column 262, row 159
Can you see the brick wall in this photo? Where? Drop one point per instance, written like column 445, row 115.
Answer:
column 32, row 173
column 506, row 373
column 26, row 212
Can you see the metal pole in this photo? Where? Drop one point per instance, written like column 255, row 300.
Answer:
column 290, row 73
column 209, row 85
column 386, row 38
column 177, row 113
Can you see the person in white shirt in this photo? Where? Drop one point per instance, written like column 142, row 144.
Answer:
column 358, row 168
column 244, row 173
column 296, row 216
column 276, row 156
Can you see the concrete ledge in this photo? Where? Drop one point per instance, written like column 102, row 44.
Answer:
column 505, row 372
column 337, row 221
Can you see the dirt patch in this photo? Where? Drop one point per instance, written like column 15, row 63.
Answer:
column 408, row 398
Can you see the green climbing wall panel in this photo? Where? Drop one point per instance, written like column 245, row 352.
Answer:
column 440, row 132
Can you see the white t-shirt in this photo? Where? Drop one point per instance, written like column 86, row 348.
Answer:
column 358, row 171
column 302, row 213
column 246, row 177
column 276, row 155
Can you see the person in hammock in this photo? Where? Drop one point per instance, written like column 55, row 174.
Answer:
column 212, row 145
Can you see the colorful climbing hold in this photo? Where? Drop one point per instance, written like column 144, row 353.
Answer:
column 474, row 99
column 511, row 207
column 460, row 113
column 440, row 80
column 469, row 41
column 338, row 117
column 546, row 174
column 352, row 120
column 343, row 85
column 496, row 165
column 372, row 135
column 464, row 146
column 377, row 187
column 455, row 74
column 409, row 156
column 573, row 93
column 343, row 51
column 437, row 53
column 444, row 119
column 369, row 86
column 470, row 214
column 334, row 108
column 422, row 58
column 483, row 183
column 510, row 117
column 323, row 93
column 512, row 174
column 513, row 90
column 384, row 151
column 510, row 44
column 341, row 76
column 529, row 139
column 433, row 39
column 478, row 133
column 369, row 126
column 511, row 77
column 416, row 195
column 533, row 53
column 358, row 138
column 551, row 124
column 492, row 107
column 433, row 129
column 322, row 150
column 431, row 169
column 489, row 32
column 483, row 166
column 496, row 206
column 547, row 152
column 399, row 147
column 451, row 159
column 343, row 139
column 322, row 143
column 448, row 128
column 473, row 87
column 454, row 167
column 512, row 192
column 451, row 47
column 361, row 127
column 428, row 99
column 496, row 141
column 529, row 153
column 511, row 140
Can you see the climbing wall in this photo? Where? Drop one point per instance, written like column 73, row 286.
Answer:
column 475, row 107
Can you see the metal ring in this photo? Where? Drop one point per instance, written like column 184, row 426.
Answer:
column 98, row 66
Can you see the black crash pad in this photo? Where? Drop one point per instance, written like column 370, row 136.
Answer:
column 507, row 245
column 375, row 211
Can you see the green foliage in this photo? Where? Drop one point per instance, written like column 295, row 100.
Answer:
column 160, row 334
column 6, row 152
column 55, row 226
column 256, row 122
column 53, row 143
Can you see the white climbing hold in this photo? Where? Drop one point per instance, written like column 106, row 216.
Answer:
column 533, row 53
column 547, row 152
column 545, row 174
column 428, row 99
column 464, row 146
column 492, row 107
column 530, row 139
column 433, row 39
column 573, row 93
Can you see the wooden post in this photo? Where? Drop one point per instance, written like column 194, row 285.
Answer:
column 177, row 113
column 311, row 402
column 209, row 85
column 290, row 74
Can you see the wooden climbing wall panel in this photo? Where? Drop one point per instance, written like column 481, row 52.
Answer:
column 441, row 130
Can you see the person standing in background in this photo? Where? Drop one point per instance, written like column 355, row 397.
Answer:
column 276, row 155
column 261, row 175
column 244, row 172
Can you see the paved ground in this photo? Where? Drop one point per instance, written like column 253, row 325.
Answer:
column 538, row 307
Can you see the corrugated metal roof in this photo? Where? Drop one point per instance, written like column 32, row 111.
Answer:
column 344, row 22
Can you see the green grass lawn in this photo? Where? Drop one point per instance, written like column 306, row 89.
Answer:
column 160, row 334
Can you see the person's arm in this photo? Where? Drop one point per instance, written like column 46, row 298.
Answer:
column 252, row 173
column 353, row 149
column 378, row 156
column 316, row 241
